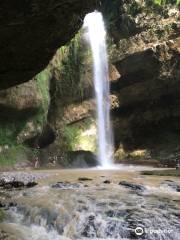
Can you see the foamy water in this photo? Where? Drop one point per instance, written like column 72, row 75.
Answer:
column 97, row 37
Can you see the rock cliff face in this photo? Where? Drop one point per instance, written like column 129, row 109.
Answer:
column 148, row 60
column 22, row 112
column 144, row 74
column 22, row 118
column 31, row 32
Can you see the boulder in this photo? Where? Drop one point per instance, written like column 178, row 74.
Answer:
column 132, row 186
column 66, row 185
column 82, row 159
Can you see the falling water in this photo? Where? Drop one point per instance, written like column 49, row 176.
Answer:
column 97, row 37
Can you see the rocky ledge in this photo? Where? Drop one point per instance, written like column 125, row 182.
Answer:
column 148, row 88
column 31, row 32
column 19, row 180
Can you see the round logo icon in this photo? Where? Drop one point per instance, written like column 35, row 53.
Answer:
column 139, row 231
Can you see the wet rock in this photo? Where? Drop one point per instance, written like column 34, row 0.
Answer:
column 116, row 229
column 12, row 204
column 177, row 214
column 101, row 204
column 82, row 159
column 110, row 213
column 2, row 205
column 162, row 206
column 132, row 186
column 81, row 201
column 3, row 235
column 7, row 205
column 101, row 189
column 12, row 184
column 66, row 185
column 172, row 185
column 17, row 180
column 83, row 208
column 170, row 181
column 117, row 213
column 107, row 182
column 31, row 184
column 10, row 180
column 84, row 179
column 112, row 204
column 90, row 229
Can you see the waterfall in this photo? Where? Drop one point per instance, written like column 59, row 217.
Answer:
column 97, row 37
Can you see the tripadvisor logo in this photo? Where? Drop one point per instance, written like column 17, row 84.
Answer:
column 139, row 231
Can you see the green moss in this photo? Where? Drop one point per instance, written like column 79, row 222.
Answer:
column 71, row 134
column 67, row 67
column 12, row 155
column 162, row 2
column 42, row 80
column 9, row 131
column 2, row 215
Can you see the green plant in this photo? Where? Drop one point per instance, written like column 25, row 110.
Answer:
column 12, row 155
column 67, row 68
column 9, row 131
column 162, row 2
column 42, row 80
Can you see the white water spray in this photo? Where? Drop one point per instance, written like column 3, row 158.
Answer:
column 97, row 37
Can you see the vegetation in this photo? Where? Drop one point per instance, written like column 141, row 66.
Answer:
column 9, row 132
column 42, row 80
column 160, row 5
column 67, row 68
column 162, row 2
column 11, row 151
column 71, row 134
column 119, row 15
column 12, row 155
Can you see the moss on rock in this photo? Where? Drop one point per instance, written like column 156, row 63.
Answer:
column 2, row 215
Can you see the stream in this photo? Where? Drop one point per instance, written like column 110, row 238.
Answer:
column 93, row 204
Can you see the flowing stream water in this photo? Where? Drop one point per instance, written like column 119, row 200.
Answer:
column 97, row 37
column 64, row 207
